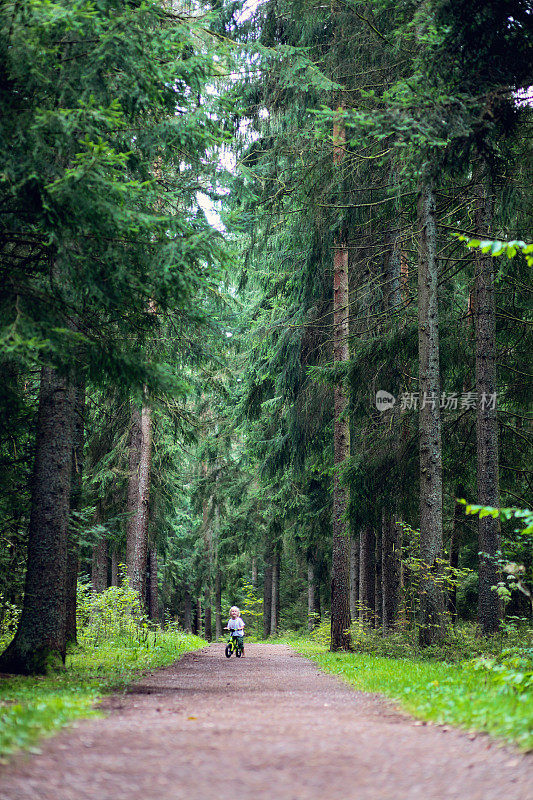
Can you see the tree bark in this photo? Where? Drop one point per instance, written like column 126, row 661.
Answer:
column 391, row 568
column 139, row 499
column 431, row 601
column 114, row 569
column 455, row 542
column 378, row 583
column 198, row 618
column 133, row 566
column 489, row 605
column 354, row 576
column 313, row 595
column 187, row 612
column 340, row 580
column 267, row 592
column 153, row 587
column 208, row 551
column 218, row 603
column 367, row 575
column 274, row 616
column 208, row 632
column 71, row 579
column 41, row 633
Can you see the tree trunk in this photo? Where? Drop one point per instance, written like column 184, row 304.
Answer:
column 208, row 555
column 198, row 618
column 313, row 595
column 114, row 569
column 99, row 566
column 340, row 579
column 455, row 542
column 187, row 613
column 218, row 603
column 391, row 567
column 354, row 576
column 40, row 637
column 133, row 566
column 153, row 588
column 489, row 605
column 431, row 601
column 267, row 592
column 367, row 575
column 138, row 499
column 274, row 616
column 208, row 632
column 71, row 580
column 378, row 583
column 254, row 572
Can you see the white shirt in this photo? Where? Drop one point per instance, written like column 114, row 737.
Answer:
column 236, row 625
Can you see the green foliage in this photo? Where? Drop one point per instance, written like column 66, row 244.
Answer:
column 524, row 514
column 494, row 247
column 115, row 614
column 9, row 617
column 116, row 646
column 251, row 607
column 511, row 672
column 462, row 642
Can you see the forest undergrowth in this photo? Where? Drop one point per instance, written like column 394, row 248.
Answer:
column 476, row 683
column 116, row 645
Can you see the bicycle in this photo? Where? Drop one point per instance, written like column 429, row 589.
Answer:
column 234, row 645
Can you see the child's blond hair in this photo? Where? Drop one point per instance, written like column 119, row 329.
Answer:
column 235, row 608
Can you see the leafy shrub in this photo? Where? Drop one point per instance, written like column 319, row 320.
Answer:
column 511, row 672
column 9, row 617
column 322, row 632
column 252, row 612
column 462, row 642
column 114, row 614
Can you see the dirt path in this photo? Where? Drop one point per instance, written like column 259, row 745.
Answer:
column 267, row 727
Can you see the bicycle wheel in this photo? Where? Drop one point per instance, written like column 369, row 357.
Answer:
column 238, row 650
column 228, row 651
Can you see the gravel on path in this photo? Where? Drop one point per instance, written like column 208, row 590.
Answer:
column 270, row 726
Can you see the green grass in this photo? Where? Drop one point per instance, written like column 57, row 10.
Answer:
column 456, row 694
column 33, row 707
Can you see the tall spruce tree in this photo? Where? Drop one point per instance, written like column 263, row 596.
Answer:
column 84, row 122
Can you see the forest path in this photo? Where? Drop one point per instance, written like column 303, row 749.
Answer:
column 267, row 726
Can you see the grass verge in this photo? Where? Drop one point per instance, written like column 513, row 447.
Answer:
column 455, row 694
column 33, row 707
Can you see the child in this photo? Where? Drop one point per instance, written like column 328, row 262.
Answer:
column 236, row 626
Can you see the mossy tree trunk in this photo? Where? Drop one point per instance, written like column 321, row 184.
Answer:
column 41, row 634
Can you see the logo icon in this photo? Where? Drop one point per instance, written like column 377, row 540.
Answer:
column 384, row 400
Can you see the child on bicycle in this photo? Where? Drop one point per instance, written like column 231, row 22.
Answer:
column 236, row 626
